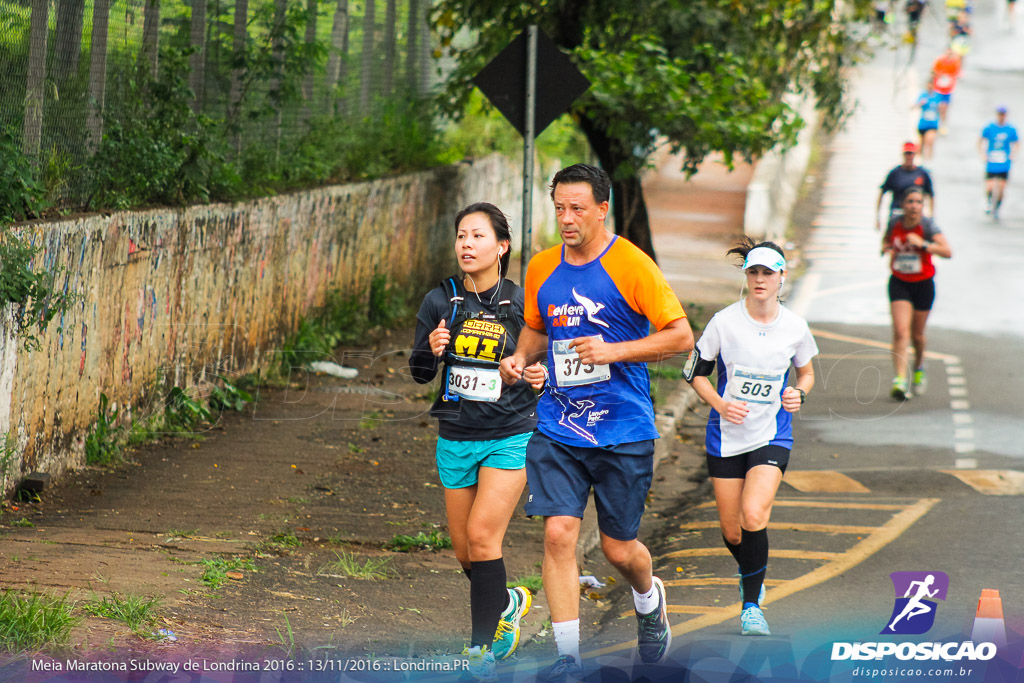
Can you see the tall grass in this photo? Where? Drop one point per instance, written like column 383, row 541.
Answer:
column 33, row 622
column 137, row 611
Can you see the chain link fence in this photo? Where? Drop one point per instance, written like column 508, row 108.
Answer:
column 263, row 72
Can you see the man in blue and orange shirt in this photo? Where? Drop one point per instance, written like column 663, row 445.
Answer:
column 590, row 304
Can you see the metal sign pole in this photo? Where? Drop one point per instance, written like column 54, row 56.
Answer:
column 531, row 96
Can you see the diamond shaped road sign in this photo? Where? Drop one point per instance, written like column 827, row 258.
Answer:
column 559, row 82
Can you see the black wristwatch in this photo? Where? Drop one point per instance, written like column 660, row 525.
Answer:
column 803, row 395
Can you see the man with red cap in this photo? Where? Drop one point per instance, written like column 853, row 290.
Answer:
column 900, row 179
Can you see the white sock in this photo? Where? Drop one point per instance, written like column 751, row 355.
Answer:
column 646, row 603
column 567, row 638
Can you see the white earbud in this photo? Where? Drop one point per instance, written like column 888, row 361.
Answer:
column 782, row 281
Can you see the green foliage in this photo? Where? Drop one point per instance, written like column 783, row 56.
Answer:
column 281, row 543
column 421, row 541
column 228, row 397
column 137, row 611
column 36, row 296
column 371, row 420
column 286, row 539
column 398, row 135
column 664, row 371
column 182, row 412
column 286, row 637
column 21, row 194
column 23, row 522
column 697, row 76
column 144, row 430
column 709, row 75
column 481, row 130
column 8, row 454
column 158, row 150
column 351, row 566
column 534, row 582
column 101, row 443
column 345, row 318
column 215, row 571
column 35, row 622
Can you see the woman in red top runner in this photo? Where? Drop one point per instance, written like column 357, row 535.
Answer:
column 911, row 241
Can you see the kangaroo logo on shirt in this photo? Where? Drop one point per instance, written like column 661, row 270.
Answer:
column 591, row 307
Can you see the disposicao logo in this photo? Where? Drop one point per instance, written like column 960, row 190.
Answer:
column 913, row 613
column 914, row 610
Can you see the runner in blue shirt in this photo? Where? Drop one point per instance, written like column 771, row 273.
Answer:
column 997, row 146
column 928, row 123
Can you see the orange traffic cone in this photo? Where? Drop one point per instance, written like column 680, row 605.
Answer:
column 989, row 626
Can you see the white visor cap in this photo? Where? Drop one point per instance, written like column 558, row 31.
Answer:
column 767, row 257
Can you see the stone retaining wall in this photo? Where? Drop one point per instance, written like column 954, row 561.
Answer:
column 173, row 297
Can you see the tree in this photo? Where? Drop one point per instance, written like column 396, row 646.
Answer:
column 312, row 11
column 197, row 62
column 700, row 76
column 97, row 72
column 411, row 46
column 390, row 46
column 366, row 59
column 67, row 42
column 238, row 55
column 337, row 62
column 36, row 77
column 151, row 36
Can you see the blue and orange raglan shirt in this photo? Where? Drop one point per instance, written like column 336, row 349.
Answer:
column 618, row 296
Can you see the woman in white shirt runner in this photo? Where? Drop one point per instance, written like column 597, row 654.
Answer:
column 753, row 342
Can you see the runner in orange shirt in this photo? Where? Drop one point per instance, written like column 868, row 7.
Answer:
column 945, row 71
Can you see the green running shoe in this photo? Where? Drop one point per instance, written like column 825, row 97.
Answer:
column 920, row 382
column 899, row 389
column 506, row 638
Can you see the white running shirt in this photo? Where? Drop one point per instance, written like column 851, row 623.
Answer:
column 753, row 362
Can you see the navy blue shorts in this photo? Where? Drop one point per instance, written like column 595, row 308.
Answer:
column 737, row 466
column 560, row 478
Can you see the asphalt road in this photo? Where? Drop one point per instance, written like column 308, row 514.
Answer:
column 935, row 484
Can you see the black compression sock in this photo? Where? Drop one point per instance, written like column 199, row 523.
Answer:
column 488, row 597
column 734, row 548
column 754, row 563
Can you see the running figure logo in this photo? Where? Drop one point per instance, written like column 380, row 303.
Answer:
column 913, row 613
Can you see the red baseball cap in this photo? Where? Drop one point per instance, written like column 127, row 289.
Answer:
column 909, row 147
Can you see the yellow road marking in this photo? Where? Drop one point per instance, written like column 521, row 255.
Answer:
column 795, row 526
column 992, row 482
column 825, row 504
column 717, row 581
column 825, row 481
column 885, row 534
column 877, row 344
column 693, row 609
column 681, row 609
column 787, row 554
